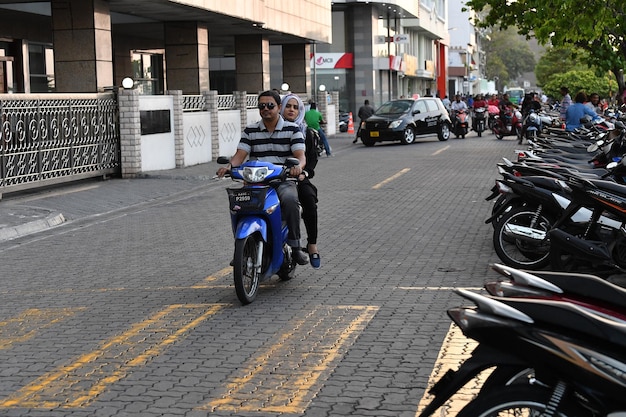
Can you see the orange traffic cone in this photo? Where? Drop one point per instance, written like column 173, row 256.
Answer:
column 350, row 124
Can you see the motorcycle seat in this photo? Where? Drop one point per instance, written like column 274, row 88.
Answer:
column 585, row 285
column 610, row 186
column 570, row 316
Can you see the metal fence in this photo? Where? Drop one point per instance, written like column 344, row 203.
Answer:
column 52, row 138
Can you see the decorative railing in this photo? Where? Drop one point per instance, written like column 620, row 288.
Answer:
column 251, row 101
column 193, row 103
column 51, row 138
column 226, row 102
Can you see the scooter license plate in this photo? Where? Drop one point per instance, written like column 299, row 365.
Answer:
column 247, row 199
column 374, row 134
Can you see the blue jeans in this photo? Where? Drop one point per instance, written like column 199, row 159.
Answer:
column 324, row 140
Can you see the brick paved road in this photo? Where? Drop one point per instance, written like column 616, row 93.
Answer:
column 127, row 308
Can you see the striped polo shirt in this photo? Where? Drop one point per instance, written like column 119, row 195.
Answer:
column 273, row 147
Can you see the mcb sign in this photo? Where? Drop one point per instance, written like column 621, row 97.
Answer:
column 332, row 60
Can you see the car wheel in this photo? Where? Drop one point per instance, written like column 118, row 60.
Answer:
column 367, row 141
column 408, row 136
column 444, row 132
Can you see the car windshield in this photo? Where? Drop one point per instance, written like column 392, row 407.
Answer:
column 395, row 107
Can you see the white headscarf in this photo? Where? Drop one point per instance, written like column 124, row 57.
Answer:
column 300, row 119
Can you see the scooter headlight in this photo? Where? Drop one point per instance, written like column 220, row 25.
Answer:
column 256, row 174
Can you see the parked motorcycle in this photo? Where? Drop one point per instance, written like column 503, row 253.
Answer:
column 344, row 120
column 460, row 123
column 480, row 120
column 508, row 123
column 597, row 248
column 261, row 248
column 555, row 350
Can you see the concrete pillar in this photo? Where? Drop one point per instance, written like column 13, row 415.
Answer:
column 187, row 56
column 241, row 105
column 297, row 67
column 83, row 57
column 335, row 101
column 130, row 132
column 178, row 128
column 252, row 60
column 210, row 104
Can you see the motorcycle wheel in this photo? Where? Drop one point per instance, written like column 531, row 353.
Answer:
column 408, row 136
column 498, row 134
column 519, row 252
column 246, row 272
column 518, row 399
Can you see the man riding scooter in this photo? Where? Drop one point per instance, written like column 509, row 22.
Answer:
column 273, row 139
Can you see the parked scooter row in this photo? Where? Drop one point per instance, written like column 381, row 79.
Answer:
column 556, row 343
column 564, row 206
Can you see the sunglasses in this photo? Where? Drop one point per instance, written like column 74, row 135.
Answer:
column 269, row 106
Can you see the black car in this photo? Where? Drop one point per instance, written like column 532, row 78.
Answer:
column 405, row 119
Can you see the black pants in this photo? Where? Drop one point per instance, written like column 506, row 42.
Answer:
column 307, row 193
column 290, row 208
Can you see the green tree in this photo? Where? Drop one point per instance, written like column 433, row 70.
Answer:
column 556, row 60
column 580, row 80
column 594, row 26
column 508, row 57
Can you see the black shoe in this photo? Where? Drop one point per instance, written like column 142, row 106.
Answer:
column 299, row 256
column 355, row 140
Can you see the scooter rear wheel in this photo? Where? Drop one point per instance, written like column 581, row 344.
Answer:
column 246, row 272
column 518, row 250
column 518, row 400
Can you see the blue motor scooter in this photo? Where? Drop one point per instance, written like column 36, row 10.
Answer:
column 261, row 248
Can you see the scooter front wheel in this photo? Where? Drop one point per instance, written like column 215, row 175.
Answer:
column 246, row 268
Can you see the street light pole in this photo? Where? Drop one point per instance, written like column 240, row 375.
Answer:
column 314, row 71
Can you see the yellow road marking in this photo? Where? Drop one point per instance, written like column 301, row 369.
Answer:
column 440, row 150
column 393, row 177
column 24, row 326
column 77, row 384
column 439, row 288
column 455, row 349
column 285, row 376
column 219, row 274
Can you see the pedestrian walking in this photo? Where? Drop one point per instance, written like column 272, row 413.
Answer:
column 365, row 111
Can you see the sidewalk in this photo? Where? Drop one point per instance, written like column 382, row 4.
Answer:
column 29, row 212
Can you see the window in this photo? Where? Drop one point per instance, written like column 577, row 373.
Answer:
column 421, row 106
column 41, row 63
column 432, row 105
column 148, row 72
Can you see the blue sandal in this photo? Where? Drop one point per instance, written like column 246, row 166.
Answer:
column 316, row 261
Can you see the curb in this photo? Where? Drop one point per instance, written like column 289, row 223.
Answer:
column 13, row 232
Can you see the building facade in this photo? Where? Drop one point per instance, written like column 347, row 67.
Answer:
column 383, row 50
column 466, row 58
column 91, row 45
